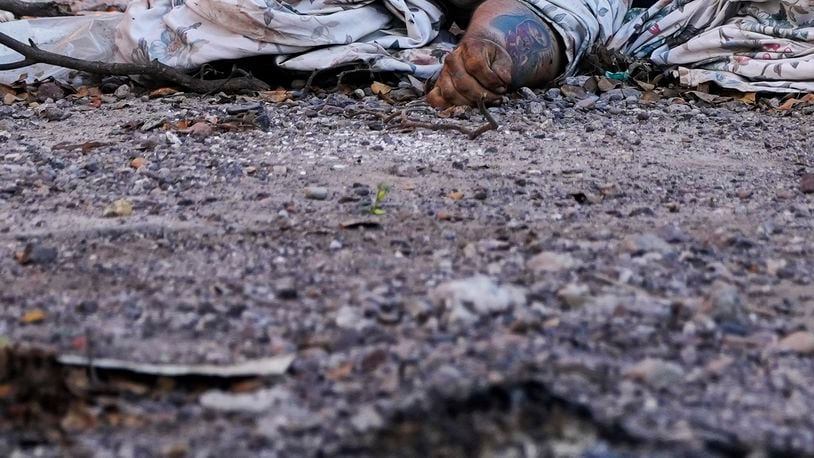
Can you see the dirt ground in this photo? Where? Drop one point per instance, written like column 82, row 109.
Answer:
column 592, row 281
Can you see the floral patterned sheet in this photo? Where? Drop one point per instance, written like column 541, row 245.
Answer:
column 760, row 45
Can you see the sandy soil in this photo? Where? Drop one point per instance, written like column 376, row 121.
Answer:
column 607, row 282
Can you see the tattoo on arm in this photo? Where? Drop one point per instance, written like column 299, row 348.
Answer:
column 530, row 45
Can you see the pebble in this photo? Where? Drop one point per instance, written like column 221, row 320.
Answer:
column 587, row 103
column 724, row 303
column 548, row 261
column 807, row 183
column 118, row 208
column 800, row 342
column 574, row 294
column 34, row 253
column 678, row 108
column 469, row 299
column 122, row 92
column 645, row 243
column 348, row 317
column 553, row 94
column 257, row 402
column 535, row 108
column 657, row 373
column 316, row 193
column 50, row 91
column 527, row 93
column 367, row 419
column 54, row 114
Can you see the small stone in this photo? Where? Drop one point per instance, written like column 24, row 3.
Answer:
column 316, row 193
column 138, row 162
column 469, row 299
column 348, row 317
column 34, row 253
column 632, row 139
column 574, row 294
column 527, row 93
column 807, row 183
column 642, row 116
column 335, row 245
column 279, row 169
column 286, row 289
column 724, row 303
column 535, row 108
column 367, row 419
column 54, row 114
column 259, row 401
column 553, row 94
column 657, row 373
column 201, row 129
column 677, row 108
column 50, row 91
column 118, row 208
column 587, row 103
column 800, row 342
column 645, row 243
column 122, row 92
column 548, row 261
column 593, row 126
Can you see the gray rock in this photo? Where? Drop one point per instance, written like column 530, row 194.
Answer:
column 574, row 294
column 645, row 243
column 535, row 108
column 549, row 261
column 724, row 302
column 367, row 419
column 657, row 373
column 469, row 299
column 316, row 193
column 122, row 92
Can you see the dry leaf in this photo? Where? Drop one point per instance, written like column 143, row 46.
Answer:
column 278, row 96
column 162, row 92
column 650, row 97
column 380, row 88
column 138, row 162
column 456, row 195
column 748, row 98
column 33, row 316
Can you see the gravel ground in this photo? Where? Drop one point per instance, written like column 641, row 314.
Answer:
column 618, row 280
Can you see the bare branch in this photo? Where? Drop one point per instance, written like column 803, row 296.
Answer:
column 36, row 9
column 154, row 69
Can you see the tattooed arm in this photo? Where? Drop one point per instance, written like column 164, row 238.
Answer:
column 507, row 46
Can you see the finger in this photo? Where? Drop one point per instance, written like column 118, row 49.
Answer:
column 489, row 64
column 450, row 93
column 435, row 98
column 467, row 86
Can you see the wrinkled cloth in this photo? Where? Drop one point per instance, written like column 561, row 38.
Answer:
column 389, row 35
column 764, row 45
column 761, row 45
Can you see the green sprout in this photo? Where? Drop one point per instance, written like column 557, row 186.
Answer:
column 382, row 190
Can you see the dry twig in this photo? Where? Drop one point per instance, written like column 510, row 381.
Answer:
column 36, row 9
column 407, row 124
column 155, row 69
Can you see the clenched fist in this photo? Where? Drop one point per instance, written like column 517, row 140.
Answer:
column 507, row 46
column 478, row 69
